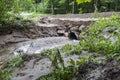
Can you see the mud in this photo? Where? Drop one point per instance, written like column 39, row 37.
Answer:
column 45, row 27
column 93, row 71
column 36, row 66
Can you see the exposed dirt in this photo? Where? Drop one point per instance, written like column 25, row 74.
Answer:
column 45, row 27
column 86, row 15
column 93, row 71
column 36, row 66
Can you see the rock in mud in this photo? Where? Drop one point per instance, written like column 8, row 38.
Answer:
column 61, row 32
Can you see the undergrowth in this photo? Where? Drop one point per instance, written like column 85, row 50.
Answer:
column 97, row 42
column 62, row 72
column 8, row 66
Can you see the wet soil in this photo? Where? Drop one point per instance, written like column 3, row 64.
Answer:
column 37, row 65
column 94, row 71
column 45, row 27
column 86, row 15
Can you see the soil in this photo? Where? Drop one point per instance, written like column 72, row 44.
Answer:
column 86, row 15
column 36, row 66
column 93, row 71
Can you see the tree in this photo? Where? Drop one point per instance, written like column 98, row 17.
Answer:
column 73, row 6
column 28, row 5
column 5, row 6
column 52, row 7
column 83, row 1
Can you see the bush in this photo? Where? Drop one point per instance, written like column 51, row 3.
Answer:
column 97, row 42
column 5, row 6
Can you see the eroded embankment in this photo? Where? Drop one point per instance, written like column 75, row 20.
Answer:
column 37, row 65
column 45, row 27
column 48, row 30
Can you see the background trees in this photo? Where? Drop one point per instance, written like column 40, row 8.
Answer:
column 57, row 6
column 5, row 6
column 80, row 6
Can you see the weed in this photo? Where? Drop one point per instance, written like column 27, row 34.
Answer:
column 5, row 75
column 97, row 42
column 71, row 49
column 8, row 66
column 62, row 72
column 15, row 62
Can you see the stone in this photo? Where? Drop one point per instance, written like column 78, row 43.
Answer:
column 18, row 34
column 75, row 28
column 32, row 31
column 60, row 31
column 81, row 27
column 66, row 34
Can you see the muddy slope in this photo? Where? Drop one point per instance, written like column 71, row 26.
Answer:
column 93, row 71
column 45, row 27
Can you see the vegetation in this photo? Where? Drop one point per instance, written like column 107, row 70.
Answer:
column 10, row 11
column 96, row 41
column 56, row 6
column 60, row 70
column 8, row 66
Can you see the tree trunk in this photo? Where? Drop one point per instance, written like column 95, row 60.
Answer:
column 67, row 7
column 73, row 7
column 95, row 6
column 108, row 6
column 116, row 5
column 52, row 7
column 36, row 6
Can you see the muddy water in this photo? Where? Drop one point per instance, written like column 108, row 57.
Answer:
column 35, row 68
column 37, row 45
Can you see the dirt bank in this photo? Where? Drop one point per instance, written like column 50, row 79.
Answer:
column 45, row 27
column 93, row 71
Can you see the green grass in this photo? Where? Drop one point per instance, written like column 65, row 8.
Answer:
column 61, row 72
column 8, row 66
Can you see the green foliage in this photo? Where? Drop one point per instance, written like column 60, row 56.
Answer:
column 16, row 6
column 71, row 49
column 8, row 66
column 80, row 11
column 15, row 62
column 43, row 7
column 96, row 15
column 5, row 75
column 96, row 42
column 60, row 6
column 26, row 5
column 5, row 6
column 67, row 50
column 62, row 72
column 83, row 1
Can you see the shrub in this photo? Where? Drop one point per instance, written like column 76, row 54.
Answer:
column 97, row 42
